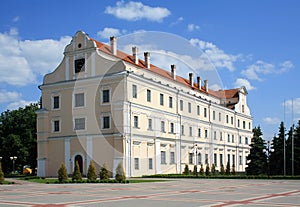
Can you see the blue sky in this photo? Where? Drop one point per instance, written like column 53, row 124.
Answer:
column 251, row 43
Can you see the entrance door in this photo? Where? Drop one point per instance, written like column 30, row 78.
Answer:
column 78, row 159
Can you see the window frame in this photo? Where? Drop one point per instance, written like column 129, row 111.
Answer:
column 74, row 124
column 75, row 96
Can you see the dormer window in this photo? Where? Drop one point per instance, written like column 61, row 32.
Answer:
column 79, row 65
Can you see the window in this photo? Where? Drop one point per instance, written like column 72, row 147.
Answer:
column 240, row 160
column 215, row 159
column 249, row 125
column 246, row 140
column 161, row 98
column 79, row 65
column 163, row 157
column 170, row 102
column 105, row 96
column 162, row 126
column 215, row 135
column 182, row 129
column 171, row 127
column 199, row 159
column 232, row 138
column 206, row 133
column 220, row 117
column 150, row 163
column 56, row 126
column 172, row 157
column 55, row 102
column 136, row 163
column 189, row 107
column 148, row 95
column 79, row 124
column 232, row 120
column 221, row 136
column 198, row 110
column 233, row 160
column 238, row 123
column 205, row 112
column 244, row 125
column 243, row 109
column 149, row 124
column 240, row 140
column 106, row 122
column 227, row 119
column 190, row 158
column 79, row 99
column 206, row 158
column 214, row 115
column 134, row 91
column 191, row 131
column 181, row 105
column 228, row 138
column 136, row 122
column 228, row 159
column 221, row 159
column 199, row 132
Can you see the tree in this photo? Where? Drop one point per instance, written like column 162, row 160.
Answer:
column 195, row 171
column 222, row 170
column 62, row 173
column 1, row 174
column 297, row 149
column 233, row 170
column 186, row 170
column 277, row 157
column 257, row 159
column 213, row 169
column 120, row 174
column 288, row 151
column 92, row 174
column 207, row 170
column 227, row 172
column 201, row 171
column 104, row 172
column 76, row 174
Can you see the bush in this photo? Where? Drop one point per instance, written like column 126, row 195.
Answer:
column 201, row 172
column 76, row 174
column 222, row 171
column 228, row 169
column 186, row 170
column 195, row 172
column 104, row 172
column 233, row 170
column 62, row 173
column 120, row 174
column 1, row 174
column 207, row 170
column 92, row 174
column 213, row 169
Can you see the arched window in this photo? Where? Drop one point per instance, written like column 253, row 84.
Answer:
column 78, row 158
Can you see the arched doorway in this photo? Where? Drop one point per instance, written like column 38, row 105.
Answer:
column 78, row 158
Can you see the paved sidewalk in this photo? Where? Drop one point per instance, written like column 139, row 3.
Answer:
column 181, row 192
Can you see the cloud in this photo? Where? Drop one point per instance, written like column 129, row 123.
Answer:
column 180, row 19
column 133, row 11
column 254, row 71
column 8, row 96
column 18, row 104
column 293, row 105
column 193, row 27
column 23, row 60
column 107, row 32
column 16, row 19
column 243, row 82
column 271, row 121
column 217, row 56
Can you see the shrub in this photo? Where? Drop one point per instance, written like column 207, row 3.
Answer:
column 201, row 172
column 207, row 170
column 195, row 172
column 1, row 174
column 92, row 174
column 233, row 170
column 228, row 169
column 62, row 173
column 222, row 171
column 120, row 174
column 104, row 172
column 76, row 174
column 213, row 169
column 186, row 170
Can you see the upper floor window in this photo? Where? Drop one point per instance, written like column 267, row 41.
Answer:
column 162, row 126
column 149, row 124
column 106, row 122
column 172, row 128
column 56, row 126
column 244, row 125
column 191, row 131
column 199, row 132
column 240, row 140
column 170, row 102
column 232, row 120
column 220, row 117
column 136, row 121
column 134, row 91
column 79, row 99
column 228, row 138
column 182, row 129
column 232, row 138
column 105, row 96
column 243, row 109
column 189, row 107
column 198, row 110
column 246, row 140
column 238, row 123
column 181, row 105
column 55, row 102
column 215, row 135
column 221, row 136
column 206, row 133
column 79, row 123
column 79, row 65
column 148, row 95
column 163, row 157
column 227, row 119
column 161, row 99
column 214, row 115
column 205, row 112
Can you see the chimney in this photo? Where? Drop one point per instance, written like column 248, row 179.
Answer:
column 199, row 82
column 191, row 79
column 206, row 85
column 147, row 59
column 173, row 71
column 135, row 55
column 113, row 45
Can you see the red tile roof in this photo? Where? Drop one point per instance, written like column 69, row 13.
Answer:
column 222, row 94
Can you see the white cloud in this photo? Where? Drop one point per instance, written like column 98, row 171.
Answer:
column 272, row 121
column 107, row 32
column 133, row 11
column 23, row 60
column 193, row 27
column 8, row 96
column 243, row 82
column 16, row 19
column 180, row 19
column 216, row 56
column 18, row 104
column 254, row 71
column 293, row 105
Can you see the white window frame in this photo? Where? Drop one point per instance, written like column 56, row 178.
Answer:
column 102, row 120
column 53, row 125
column 74, row 99
column 74, row 123
column 103, row 88
column 134, row 91
column 59, row 101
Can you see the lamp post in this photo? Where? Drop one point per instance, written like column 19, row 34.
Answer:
column 268, row 151
column 195, row 150
column 13, row 160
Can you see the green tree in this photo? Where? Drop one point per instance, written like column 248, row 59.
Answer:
column 227, row 172
column 62, row 173
column 186, row 170
column 76, row 174
column 120, row 174
column 207, row 170
column 277, row 157
column 1, row 174
column 92, row 174
column 288, row 151
column 297, row 149
column 201, row 171
column 222, row 170
column 257, row 159
column 233, row 170
column 104, row 172
column 195, row 171
column 213, row 169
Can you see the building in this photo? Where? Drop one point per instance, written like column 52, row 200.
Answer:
column 104, row 105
